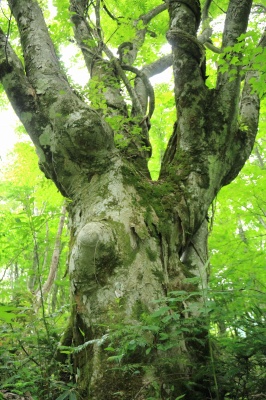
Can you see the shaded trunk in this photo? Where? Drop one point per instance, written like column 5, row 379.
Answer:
column 125, row 255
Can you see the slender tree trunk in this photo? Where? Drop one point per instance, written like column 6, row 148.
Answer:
column 46, row 287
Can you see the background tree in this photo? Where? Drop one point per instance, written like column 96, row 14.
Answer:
column 134, row 240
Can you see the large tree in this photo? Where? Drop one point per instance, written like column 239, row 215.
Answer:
column 134, row 240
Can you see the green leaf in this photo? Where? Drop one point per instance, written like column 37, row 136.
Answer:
column 64, row 395
column 72, row 396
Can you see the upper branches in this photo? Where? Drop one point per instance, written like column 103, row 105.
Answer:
column 63, row 128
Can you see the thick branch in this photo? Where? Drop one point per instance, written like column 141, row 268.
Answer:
column 20, row 92
column 158, row 66
column 41, row 63
column 188, row 52
column 250, row 108
column 229, row 89
column 186, row 157
column 236, row 21
column 242, row 123
column 83, row 33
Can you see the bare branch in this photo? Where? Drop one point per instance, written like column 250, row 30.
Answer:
column 108, row 12
column 148, row 86
column 213, row 48
column 146, row 18
column 260, row 6
column 141, row 33
column 41, row 62
column 260, row 160
column 83, row 33
column 205, row 10
column 158, row 66
column 20, row 92
column 229, row 89
column 236, row 21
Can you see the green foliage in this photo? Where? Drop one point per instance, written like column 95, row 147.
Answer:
column 238, row 283
column 28, row 347
column 247, row 55
column 30, row 211
column 162, row 125
column 152, row 341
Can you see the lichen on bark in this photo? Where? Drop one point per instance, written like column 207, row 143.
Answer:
column 133, row 241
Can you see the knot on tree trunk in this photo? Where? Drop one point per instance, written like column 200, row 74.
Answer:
column 94, row 255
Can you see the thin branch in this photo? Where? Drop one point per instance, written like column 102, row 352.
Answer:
column 205, row 10
column 213, row 48
column 217, row 5
column 147, row 84
column 260, row 6
column 259, row 157
column 109, row 13
column 146, row 18
column 98, row 19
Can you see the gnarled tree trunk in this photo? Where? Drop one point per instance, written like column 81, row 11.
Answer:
column 133, row 240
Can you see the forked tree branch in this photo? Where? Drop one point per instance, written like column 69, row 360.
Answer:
column 139, row 39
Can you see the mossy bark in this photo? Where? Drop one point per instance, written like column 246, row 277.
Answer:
column 133, row 241
column 126, row 254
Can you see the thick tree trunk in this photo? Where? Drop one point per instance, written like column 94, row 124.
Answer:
column 134, row 241
column 125, row 253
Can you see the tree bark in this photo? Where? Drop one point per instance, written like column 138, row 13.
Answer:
column 133, row 241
